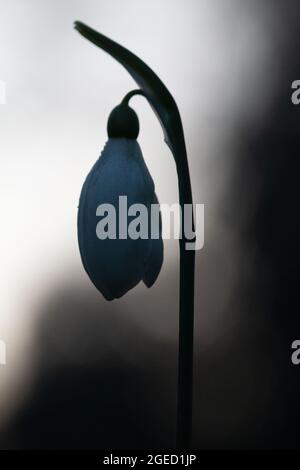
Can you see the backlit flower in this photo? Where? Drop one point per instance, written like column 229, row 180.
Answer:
column 115, row 262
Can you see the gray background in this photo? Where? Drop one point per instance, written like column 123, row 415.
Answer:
column 82, row 372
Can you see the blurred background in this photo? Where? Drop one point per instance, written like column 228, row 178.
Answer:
column 82, row 372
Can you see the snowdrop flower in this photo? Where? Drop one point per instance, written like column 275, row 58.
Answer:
column 116, row 265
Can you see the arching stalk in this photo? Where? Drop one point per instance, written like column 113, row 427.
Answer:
column 164, row 106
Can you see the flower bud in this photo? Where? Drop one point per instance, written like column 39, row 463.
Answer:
column 116, row 264
column 123, row 122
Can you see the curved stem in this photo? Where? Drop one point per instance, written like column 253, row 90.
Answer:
column 185, row 347
column 167, row 112
column 132, row 93
column 186, row 312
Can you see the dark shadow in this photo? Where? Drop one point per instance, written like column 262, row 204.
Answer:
column 101, row 381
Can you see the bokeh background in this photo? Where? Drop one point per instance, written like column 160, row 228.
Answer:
column 85, row 373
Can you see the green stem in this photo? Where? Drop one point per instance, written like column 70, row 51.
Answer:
column 132, row 93
column 186, row 335
column 186, row 314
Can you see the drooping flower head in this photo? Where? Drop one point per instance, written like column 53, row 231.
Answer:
column 114, row 261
